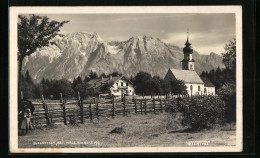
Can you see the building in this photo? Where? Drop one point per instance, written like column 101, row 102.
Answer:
column 191, row 79
column 195, row 85
column 209, row 88
column 119, row 85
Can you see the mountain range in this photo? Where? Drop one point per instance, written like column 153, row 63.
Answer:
column 76, row 54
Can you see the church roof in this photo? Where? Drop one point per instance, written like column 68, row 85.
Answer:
column 188, row 76
column 207, row 82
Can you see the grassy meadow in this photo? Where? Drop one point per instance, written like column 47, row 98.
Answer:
column 151, row 130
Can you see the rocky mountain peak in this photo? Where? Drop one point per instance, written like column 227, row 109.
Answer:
column 76, row 54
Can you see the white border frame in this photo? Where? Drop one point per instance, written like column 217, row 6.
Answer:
column 13, row 77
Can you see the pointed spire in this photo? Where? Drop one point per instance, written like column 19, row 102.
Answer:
column 187, row 42
column 188, row 34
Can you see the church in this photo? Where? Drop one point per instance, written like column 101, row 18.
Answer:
column 195, row 85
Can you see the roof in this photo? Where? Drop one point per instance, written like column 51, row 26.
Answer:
column 188, row 76
column 207, row 82
column 96, row 83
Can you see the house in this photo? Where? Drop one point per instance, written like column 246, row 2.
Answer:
column 209, row 88
column 118, row 85
column 195, row 85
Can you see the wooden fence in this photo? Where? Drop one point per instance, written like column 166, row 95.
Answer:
column 66, row 111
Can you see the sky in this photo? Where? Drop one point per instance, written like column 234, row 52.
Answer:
column 207, row 32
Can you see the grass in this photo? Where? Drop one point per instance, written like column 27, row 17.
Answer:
column 151, row 130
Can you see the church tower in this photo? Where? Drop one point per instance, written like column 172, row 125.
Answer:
column 188, row 62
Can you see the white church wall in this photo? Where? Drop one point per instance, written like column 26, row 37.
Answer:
column 210, row 91
column 197, row 88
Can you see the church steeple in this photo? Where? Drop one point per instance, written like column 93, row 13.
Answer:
column 188, row 62
column 187, row 42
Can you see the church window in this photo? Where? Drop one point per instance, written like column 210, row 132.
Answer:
column 198, row 88
column 191, row 87
column 122, row 84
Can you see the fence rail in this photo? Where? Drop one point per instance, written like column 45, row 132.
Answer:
column 65, row 111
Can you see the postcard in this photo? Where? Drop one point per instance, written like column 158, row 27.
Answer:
column 121, row 79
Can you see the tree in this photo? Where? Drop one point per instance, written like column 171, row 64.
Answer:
column 87, row 79
column 26, row 88
column 62, row 86
column 114, row 74
column 33, row 33
column 229, row 57
column 93, row 75
column 103, row 75
column 37, row 91
column 142, row 83
column 79, row 80
column 82, row 88
column 28, row 78
column 166, row 87
column 156, row 85
column 228, row 93
column 178, row 87
column 106, row 87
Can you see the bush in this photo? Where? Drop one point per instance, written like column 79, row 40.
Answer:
column 228, row 93
column 203, row 113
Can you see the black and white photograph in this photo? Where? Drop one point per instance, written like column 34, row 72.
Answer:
column 125, row 79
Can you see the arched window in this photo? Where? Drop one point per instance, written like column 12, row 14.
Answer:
column 198, row 88
column 191, row 87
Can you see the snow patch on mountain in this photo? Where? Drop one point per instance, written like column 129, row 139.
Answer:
column 113, row 49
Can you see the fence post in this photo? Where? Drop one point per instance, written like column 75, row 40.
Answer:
column 97, row 109
column 161, row 104
column 124, row 104
column 80, row 103
column 63, row 108
column 90, row 112
column 21, row 95
column 153, row 105
column 165, row 103
column 141, row 105
column 135, row 106
column 46, row 111
column 113, row 106
column 145, row 106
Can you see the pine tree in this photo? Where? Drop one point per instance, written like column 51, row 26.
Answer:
column 79, row 80
column 93, row 75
